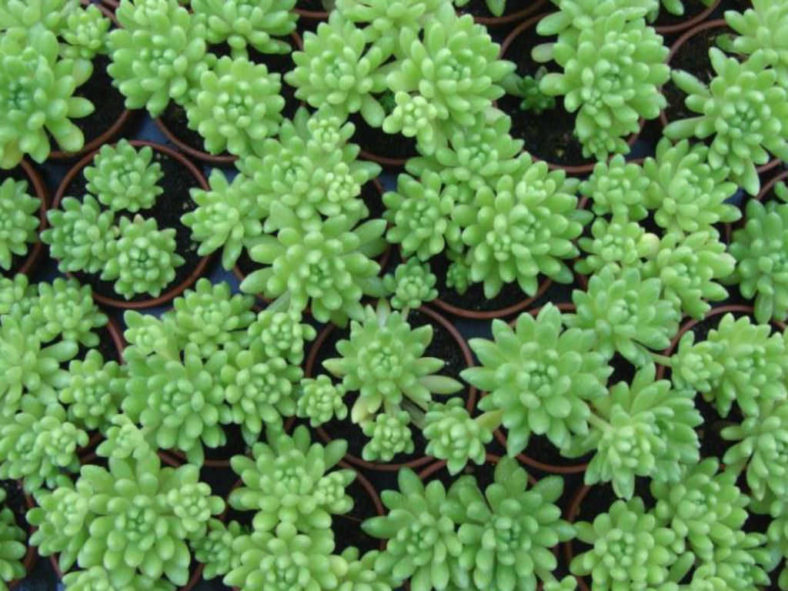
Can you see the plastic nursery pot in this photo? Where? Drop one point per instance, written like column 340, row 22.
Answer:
column 680, row 51
column 510, row 105
column 513, row 16
column 31, row 555
column 36, row 185
column 571, row 516
column 110, row 114
column 313, row 368
column 187, row 279
column 682, row 23
column 167, row 124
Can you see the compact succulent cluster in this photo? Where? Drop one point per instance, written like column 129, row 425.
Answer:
column 19, row 221
column 91, row 235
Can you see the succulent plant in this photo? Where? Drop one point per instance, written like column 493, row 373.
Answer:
column 626, row 313
column 321, row 400
column 527, row 88
column 19, row 220
column 157, row 52
column 389, row 435
column 384, row 19
column 143, row 259
column 99, row 578
column 12, row 545
column 422, row 541
column 236, row 105
column 762, row 27
column 38, row 443
column 411, row 285
column 616, row 188
column 37, row 90
column 620, row 243
column 50, row 14
column 687, row 194
column 123, row 177
column 80, row 234
column 227, row 216
column 16, row 295
column 508, row 531
column 496, row 7
column 214, row 549
column 94, row 392
column 85, row 34
column 611, row 75
column 361, row 574
column 414, row 117
column 282, row 333
column 643, row 428
column 325, row 265
column 146, row 334
column 289, row 481
column 458, row 276
column 539, row 377
column 336, row 68
column 630, row 548
column 383, row 360
column 454, row 436
column 244, row 23
column 123, row 440
column 65, row 310
column 286, row 560
column 522, row 227
column 760, row 252
column 743, row 106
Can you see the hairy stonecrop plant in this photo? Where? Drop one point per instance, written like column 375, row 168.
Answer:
column 411, row 285
column 616, row 188
column 762, row 27
column 383, row 19
column 85, row 34
column 37, row 93
column 454, row 436
column 235, row 106
column 282, row 333
column 626, row 313
column 289, row 481
column 247, row 23
column 522, row 227
column 539, row 377
column 12, row 544
column 612, row 71
column 619, row 243
column 143, row 259
column 65, row 310
column 18, row 221
column 123, row 177
column 527, row 88
column 157, row 53
column 743, row 113
column 761, row 252
column 94, row 392
column 321, row 400
column 389, row 435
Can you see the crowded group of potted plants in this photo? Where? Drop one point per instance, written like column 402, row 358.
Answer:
column 617, row 375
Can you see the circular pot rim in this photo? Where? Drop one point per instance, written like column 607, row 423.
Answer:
column 544, row 285
column 517, row 16
column 384, row 161
column 571, row 515
column 31, row 552
column 315, row 15
column 199, row 268
column 418, row 462
column 36, row 249
column 690, row 22
column 195, row 577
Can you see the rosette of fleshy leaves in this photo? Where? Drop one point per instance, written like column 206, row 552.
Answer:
column 123, row 177
column 18, row 221
column 283, row 333
column 411, row 285
column 626, row 312
column 215, row 548
column 143, row 258
column 157, row 53
column 454, row 436
column 94, row 392
column 38, row 444
column 16, row 295
column 291, row 481
column 760, row 249
column 527, row 88
column 743, row 113
column 245, row 23
column 361, row 574
column 37, row 90
column 612, row 71
column 12, row 544
column 447, row 75
column 80, row 234
column 423, row 545
column 321, row 400
column 686, row 193
column 99, row 578
column 48, row 14
column 85, row 32
column 508, row 531
column 762, row 27
column 65, row 310
column 616, row 188
column 235, row 106
column 522, row 227
column 338, row 69
column 540, row 377
column 642, row 428
column 618, row 242
column 389, row 435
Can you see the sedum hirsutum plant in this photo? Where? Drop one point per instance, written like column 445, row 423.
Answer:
column 123, row 177
column 12, row 545
column 85, row 34
column 616, row 189
column 321, row 400
column 454, row 436
column 762, row 27
column 289, row 481
column 383, row 19
column 18, row 220
column 411, row 285
column 98, row 577
column 282, row 333
column 527, row 88
column 64, row 309
column 619, row 243
column 743, row 113
column 156, row 53
column 389, row 435
column 37, row 91
column 760, row 252
column 94, row 391
column 235, row 106
column 244, row 23
column 612, row 71
column 214, row 550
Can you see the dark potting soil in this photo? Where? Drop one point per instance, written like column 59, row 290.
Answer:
column 18, row 174
column 311, row 5
column 347, row 528
column 542, row 450
column 169, row 207
column 234, row 446
column 443, row 346
column 106, row 99
column 548, row 135
column 692, row 57
column 377, row 142
column 106, row 346
column 483, row 473
column 692, row 8
column 15, row 500
column 479, row 8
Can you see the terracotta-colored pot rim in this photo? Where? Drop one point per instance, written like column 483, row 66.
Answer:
column 690, row 22
column 224, row 159
column 384, row 161
column 31, row 554
column 309, row 368
column 39, row 188
column 572, row 169
column 783, row 176
column 571, row 515
column 729, row 228
column 499, row 21
column 114, row 129
column 314, row 15
column 445, row 306
column 199, row 268
column 111, row 3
